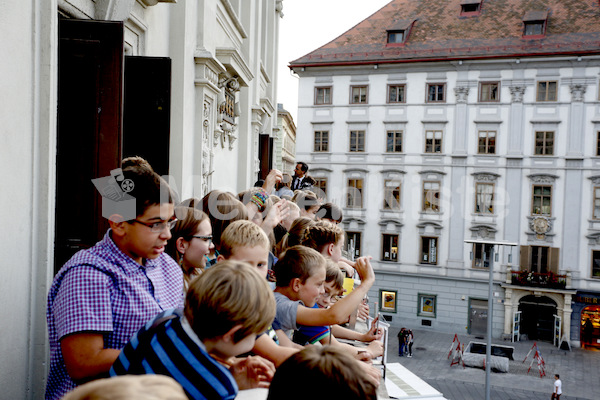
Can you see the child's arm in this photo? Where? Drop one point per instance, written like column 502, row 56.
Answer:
column 85, row 356
column 267, row 348
column 341, row 310
column 374, row 349
column 284, row 340
column 345, row 333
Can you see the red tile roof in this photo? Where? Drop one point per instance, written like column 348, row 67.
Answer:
column 441, row 33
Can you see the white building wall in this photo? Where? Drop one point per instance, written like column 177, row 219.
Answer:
column 516, row 120
column 191, row 33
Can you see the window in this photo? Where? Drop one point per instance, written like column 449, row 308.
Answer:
column 396, row 93
column 395, row 37
column 427, row 305
column 353, row 244
column 389, row 247
column 435, row 92
column 534, row 28
column 358, row 94
column 482, row 252
column 546, row 91
column 484, row 198
column 596, row 202
column 598, row 143
column 431, row 196
column 394, row 142
column 539, row 259
column 354, row 195
column 428, row 250
column 544, row 143
column 433, row 141
column 489, row 91
column 320, row 186
column 486, row 143
column 595, row 264
column 391, row 195
column 357, row 140
column 470, row 8
column 321, row 140
column 542, row 200
column 323, row 95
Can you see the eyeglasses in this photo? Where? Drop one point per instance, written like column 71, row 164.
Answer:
column 207, row 238
column 157, row 227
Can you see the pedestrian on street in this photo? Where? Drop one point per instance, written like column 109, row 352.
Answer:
column 557, row 388
column 402, row 342
column 410, row 338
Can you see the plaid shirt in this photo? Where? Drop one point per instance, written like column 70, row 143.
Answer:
column 103, row 290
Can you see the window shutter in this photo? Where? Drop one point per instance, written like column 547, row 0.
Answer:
column 525, row 258
column 553, row 262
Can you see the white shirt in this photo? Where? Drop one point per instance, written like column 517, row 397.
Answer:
column 558, row 386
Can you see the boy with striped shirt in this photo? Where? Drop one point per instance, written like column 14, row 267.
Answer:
column 225, row 308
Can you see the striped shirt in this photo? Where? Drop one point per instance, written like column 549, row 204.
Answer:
column 168, row 346
column 103, row 290
column 310, row 334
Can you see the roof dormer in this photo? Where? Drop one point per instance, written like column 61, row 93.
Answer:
column 470, row 8
column 398, row 32
column 534, row 24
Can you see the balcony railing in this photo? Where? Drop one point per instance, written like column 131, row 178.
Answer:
column 548, row 280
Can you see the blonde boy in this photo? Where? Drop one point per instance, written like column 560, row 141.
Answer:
column 245, row 241
column 301, row 275
column 334, row 281
column 225, row 308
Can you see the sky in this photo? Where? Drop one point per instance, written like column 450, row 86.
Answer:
column 307, row 25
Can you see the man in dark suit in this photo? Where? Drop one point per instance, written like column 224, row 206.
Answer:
column 299, row 180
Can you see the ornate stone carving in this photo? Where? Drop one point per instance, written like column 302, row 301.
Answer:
column 540, row 225
column 461, row 93
column 207, row 148
column 227, row 111
column 516, row 93
column 577, row 92
column 485, row 177
column 542, row 178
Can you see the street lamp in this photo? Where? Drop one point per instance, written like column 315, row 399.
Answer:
column 488, row 347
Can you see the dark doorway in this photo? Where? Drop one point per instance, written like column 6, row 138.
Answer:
column 90, row 65
column 537, row 318
column 265, row 153
column 147, row 110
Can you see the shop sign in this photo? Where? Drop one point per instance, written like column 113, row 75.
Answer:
column 587, row 298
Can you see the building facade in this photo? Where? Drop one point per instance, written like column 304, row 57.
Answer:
column 189, row 85
column 433, row 123
column 285, row 143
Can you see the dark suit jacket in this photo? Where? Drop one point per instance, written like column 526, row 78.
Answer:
column 305, row 184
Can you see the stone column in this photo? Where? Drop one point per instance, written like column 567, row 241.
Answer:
column 456, row 221
column 515, row 131
column 508, row 311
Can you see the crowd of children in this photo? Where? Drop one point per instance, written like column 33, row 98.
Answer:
column 219, row 294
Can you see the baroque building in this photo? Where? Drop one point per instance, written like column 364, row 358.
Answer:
column 444, row 127
column 190, row 85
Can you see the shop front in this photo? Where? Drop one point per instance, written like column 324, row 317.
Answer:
column 586, row 319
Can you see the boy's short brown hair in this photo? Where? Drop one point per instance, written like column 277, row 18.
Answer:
column 228, row 294
column 147, row 188
column 322, row 233
column 334, row 274
column 336, row 374
column 129, row 387
column 242, row 233
column 297, row 262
